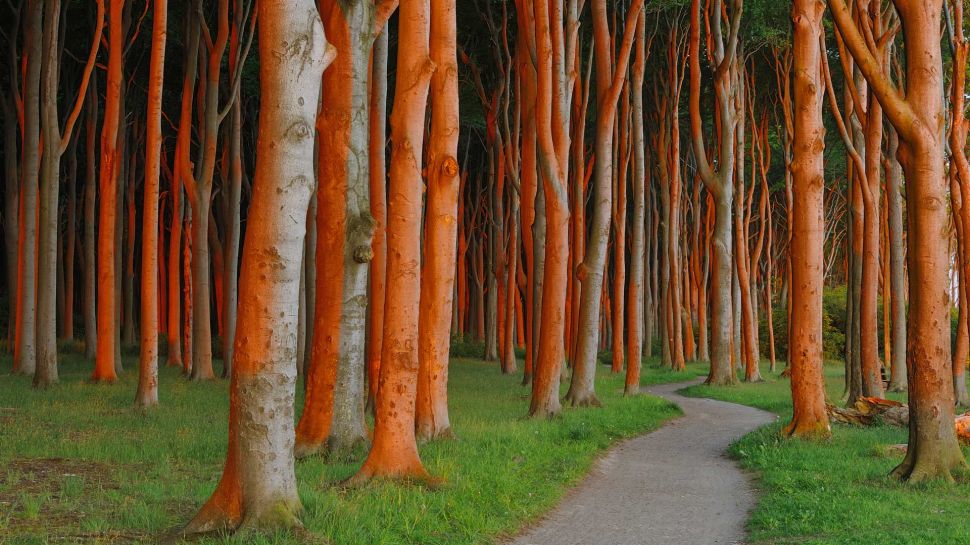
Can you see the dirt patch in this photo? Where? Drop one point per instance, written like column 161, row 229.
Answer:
column 49, row 495
column 8, row 415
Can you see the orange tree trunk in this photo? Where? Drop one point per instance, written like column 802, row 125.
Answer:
column 147, row 393
column 441, row 230
column 394, row 452
column 258, row 485
column 805, row 333
column 104, row 369
column 333, row 416
column 553, row 161
column 933, row 451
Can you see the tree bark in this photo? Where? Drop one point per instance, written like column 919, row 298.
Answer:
column 720, row 183
column 258, row 485
column 808, row 177
column 635, row 315
column 438, row 270
column 25, row 351
column 609, row 83
column 933, row 451
column 105, row 365
column 394, row 452
column 378, row 207
column 147, row 393
column 333, row 418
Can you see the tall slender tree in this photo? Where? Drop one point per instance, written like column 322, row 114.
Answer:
column 258, row 485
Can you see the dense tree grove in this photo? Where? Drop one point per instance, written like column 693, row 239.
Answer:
column 329, row 195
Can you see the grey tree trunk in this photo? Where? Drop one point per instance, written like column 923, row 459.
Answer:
column 90, row 224
column 25, row 353
column 897, row 271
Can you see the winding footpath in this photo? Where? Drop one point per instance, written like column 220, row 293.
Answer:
column 675, row 486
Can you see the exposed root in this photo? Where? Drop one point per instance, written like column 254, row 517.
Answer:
column 426, row 436
column 411, row 475
column 919, row 470
column 585, row 400
column 808, row 430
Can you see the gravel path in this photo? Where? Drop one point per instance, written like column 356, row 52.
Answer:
column 674, row 486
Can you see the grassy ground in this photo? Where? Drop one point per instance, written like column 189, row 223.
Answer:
column 78, row 464
column 838, row 491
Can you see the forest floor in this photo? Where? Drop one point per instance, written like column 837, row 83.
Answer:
column 79, row 465
column 673, row 486
column 837, row 492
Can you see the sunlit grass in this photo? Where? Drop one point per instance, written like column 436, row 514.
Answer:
column 837, row 492
column 101, row 470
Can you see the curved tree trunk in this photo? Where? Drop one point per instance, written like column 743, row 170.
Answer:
column 258, row 486
column 720, row 183
column 609, row 83
column 933, row 451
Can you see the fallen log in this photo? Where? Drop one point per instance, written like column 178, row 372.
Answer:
column 871, row 411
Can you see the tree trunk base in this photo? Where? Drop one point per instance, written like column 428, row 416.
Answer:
column 931, row 466
column 729, row 380
column 631, row 390
column 897, row 387
column 265, row 520
column 960, row 392
column 545, row 412
column 145, row 404
column 585, row 399
column 427, row 434
column 807, row 428
column 407, row 473
column 334, row 448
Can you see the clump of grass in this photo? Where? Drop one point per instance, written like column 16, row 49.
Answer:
column 837, row 492
column 501, row 472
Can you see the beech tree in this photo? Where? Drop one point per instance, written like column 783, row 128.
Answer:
column 333, row 417
column 918, row 118
column 441, row 229
column 610, row 77
column 394, row 451
column 808, row 183
column 258, row 485
column 719, row 181
column 147, row 394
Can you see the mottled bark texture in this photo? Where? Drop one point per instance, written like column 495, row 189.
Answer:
column 258, row 485
column 808, row 179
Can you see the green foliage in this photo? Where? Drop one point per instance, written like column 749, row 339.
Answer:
column 833, row 326
column 138, row 474
column 837, row 492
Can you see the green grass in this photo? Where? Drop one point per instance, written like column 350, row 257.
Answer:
column 837, row 491
column 79, row 464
